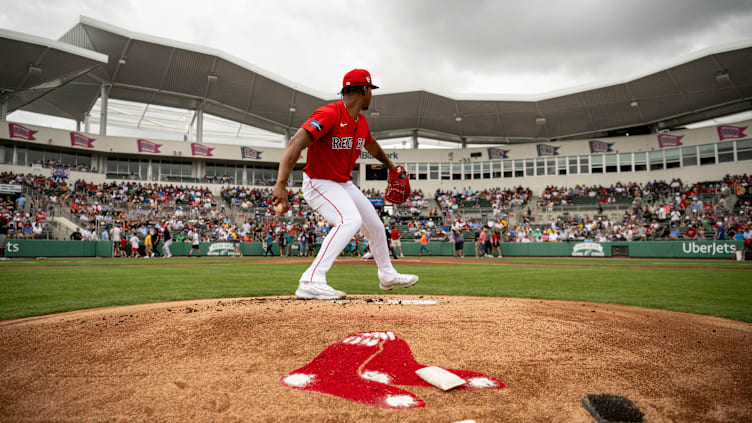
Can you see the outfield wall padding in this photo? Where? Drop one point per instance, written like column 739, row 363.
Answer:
column 642, row 249
column 45, row 248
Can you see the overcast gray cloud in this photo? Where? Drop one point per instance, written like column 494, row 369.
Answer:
column 492, row 47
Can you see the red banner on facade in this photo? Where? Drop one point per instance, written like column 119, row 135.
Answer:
column 146, row 146
column 728, row 131
column 79, row 140
column 201, row 150
column 669, row 140
column 19, row 131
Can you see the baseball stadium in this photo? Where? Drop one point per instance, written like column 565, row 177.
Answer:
column 583, row 255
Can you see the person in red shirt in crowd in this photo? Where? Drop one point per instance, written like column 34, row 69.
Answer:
column 691, row 232
column 335, row 135
column 396, row 243
column 41, row 217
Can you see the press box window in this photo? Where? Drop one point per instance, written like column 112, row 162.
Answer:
column 689, row 156
column 725, row 152
column 672, row 158
column 596, row 165
column 744, row 150
column 508, row 168
column 519, row 169
column 625, row 162
column 611, row 163
column 707, row 154
column 640, row 164
column 656, row 160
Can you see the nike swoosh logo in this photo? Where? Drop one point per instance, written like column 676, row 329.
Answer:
column 342, row 124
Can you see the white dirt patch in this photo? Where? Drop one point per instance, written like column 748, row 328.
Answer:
column 299, row 380
column 400, row 401
column 376, row 377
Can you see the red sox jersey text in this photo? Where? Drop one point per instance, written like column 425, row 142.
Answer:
column 337, row 142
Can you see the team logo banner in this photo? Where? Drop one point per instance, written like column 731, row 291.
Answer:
column 19, row 131
column 249, row 153
column 547, row 150
column 201, row 150
column 60, row 172
column 600, row 146
column 146, row 146
column 79, row 140
column 728, row 131
column 497, row 153
column 669, row 140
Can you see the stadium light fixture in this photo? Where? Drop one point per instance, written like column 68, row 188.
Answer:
column 458, row 119
column 540, row 120
column 293, row 109
column 122, row 60
column 633, row 103
column 212, row 77
column 35, row 69
column 722, row 76
column 375, row 114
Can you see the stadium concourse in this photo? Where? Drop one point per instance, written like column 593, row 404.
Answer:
column 657, row 210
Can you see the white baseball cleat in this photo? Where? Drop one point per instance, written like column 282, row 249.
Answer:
column 400, row 280
column 317, row 291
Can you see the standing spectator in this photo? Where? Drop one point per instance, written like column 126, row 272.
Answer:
column 480, row 244
column 116, row 239
column 459, row 243
column 155, row 238
column 303, row 244
column 167, row 242
column 236, row 242
column 390, row 242
column 268, row 244
column 424, row 243
column 396, row 243
column 747, row 241
column 289, row 238
column 195, row 242
column 147, row 244
column 134, row 245
column 495, row 244
column 281, row 242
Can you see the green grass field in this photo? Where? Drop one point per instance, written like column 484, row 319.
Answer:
column 718, row 288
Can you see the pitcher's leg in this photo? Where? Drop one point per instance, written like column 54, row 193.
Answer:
column 330, row 200
column 373, row 230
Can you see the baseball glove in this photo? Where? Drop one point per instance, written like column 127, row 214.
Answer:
column 398, row 186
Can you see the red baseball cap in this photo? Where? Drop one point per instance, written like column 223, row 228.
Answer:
column 357, row 77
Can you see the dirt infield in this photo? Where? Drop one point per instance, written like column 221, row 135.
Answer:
column 222, row 360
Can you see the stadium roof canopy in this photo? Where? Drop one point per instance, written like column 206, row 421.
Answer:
column 62, row 79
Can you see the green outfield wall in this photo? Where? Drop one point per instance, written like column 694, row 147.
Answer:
column 648, row 249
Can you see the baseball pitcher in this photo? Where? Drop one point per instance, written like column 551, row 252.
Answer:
column 335, row 135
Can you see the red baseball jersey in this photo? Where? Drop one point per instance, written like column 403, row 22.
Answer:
column 337, row 142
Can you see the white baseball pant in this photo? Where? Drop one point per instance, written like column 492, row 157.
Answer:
column 348, row 210
column 166, row 248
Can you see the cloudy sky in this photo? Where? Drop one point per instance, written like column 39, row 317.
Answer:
column 463, row 47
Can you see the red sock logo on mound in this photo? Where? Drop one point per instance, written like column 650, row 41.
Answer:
column 363, row 366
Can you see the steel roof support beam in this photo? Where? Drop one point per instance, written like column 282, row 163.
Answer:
column 4, row 110
column 200, row 125
column 103, row 106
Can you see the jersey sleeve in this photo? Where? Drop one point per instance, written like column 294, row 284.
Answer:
column 321, row 122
